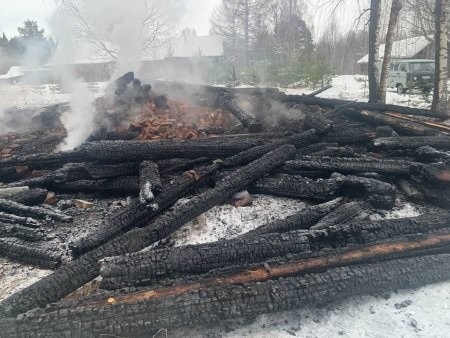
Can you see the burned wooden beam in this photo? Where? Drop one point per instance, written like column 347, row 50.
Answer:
column 318, row 122
column 402, row 127
column 36, row 212
column 125, row 151
column 346, row 151
column 75, row 274
column 351, row 165
column 349, row 212
column 43, row 161
column 30, row 253
column 111, row 186
column 146, row 268
column 252, row 154
column 247, row 121
column 321, row 90
column 350, row 137
column 14, row 219
column 378, row 194
column 413, row 142
column 183, row 165
column 336, row 103
column 21, row 232
column 31, row 197
column 188, row 305
column 149, row 182
column 302, row 220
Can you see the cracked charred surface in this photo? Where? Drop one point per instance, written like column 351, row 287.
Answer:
column 146, row 312
column 74, row 274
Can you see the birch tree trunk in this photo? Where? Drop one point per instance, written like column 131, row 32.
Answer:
column 374, row 46
column 393, row 19
column 441, row 73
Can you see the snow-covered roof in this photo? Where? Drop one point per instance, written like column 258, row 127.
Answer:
column 403, row 49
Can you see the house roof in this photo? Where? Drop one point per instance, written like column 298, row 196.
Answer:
column 403, row 49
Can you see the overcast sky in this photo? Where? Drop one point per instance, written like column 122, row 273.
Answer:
column 196, row 14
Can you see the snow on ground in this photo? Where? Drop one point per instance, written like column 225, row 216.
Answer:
column 356, row 87
column 36, row 96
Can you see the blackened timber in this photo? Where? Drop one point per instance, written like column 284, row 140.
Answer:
column 378, row 119
column 111, row 186
column 43, row 161
column 74, row 274
column 184, row 165
column 149, row 181
column 119, row 151
column 413, row 142
column 304, row 219
column 140, row 313
column 252, row 154
column 137, row 214
column 37, row 212
column 28, row 252
column 346, row 151
column 20, row 231
column 378, row 194
column 345, row 165
column 31, row 197
column 318, row 122
column 247, row 121
column 344, row 214
column 14, row 219
column 336, row 103
column 139, row 269
column 146, row 268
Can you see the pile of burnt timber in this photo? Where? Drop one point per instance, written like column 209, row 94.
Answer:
column 346, row 160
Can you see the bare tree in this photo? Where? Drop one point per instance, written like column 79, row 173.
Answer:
column 374, row 47
column 441, row 58
column 393, row 19
column 153, row 24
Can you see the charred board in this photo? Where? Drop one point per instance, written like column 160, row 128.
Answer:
column 346, row 213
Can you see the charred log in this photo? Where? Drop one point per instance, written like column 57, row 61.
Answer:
column 414, row 142
column 317, row 147
column 183, row 165
column 318, row 122
column 43, row 161
column 336, row 103
column 247, row 121
column 9, row 174
column 143, row 313
column 31, row 197
column 346, row 151
column 21, row 232
column 252, row 154
column 378, row 194
column 14, row 219
column 120, row 151
column 36, row 212
column 300, row 221
column 30, row 253
column 346, row 213
column 111, row 187
column 378, row 119
column 352, row 165
column 149, row 182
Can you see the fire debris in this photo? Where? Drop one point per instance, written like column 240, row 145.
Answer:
column 346, row 159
